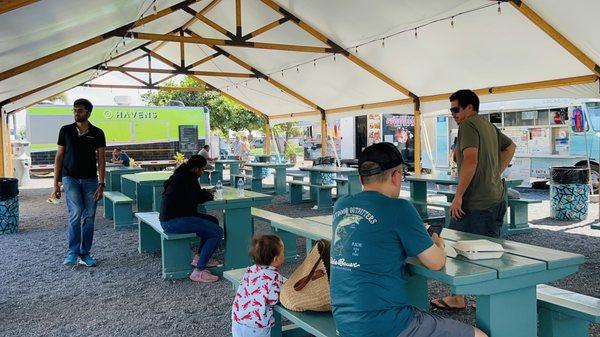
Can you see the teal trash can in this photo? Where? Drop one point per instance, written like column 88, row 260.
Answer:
column 9, row 205
column 569, row 192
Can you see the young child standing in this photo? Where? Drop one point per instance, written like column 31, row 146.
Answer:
column 258, row 292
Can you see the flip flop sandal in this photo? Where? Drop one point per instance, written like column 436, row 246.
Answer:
column 445, row 306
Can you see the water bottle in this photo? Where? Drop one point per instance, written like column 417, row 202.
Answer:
column 240, row 187
column 219, row 194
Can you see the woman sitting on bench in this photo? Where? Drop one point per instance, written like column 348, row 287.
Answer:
column 179, row 215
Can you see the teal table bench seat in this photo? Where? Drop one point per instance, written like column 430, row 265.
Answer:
column 289, row 239
column 565, row 313
column 297, row 176
column 118, row 207
column 519, row 215
column 318, row 324
column 323, row 192
column 255, row 185
column 175, row 248
column 441, row 204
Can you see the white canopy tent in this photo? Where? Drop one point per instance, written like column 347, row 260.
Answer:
column 308, row 59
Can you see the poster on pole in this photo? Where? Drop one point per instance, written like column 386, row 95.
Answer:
column 399, row 129
column 373, row 129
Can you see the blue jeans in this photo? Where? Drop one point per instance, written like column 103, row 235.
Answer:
column 81, row 208
column 486, row 222
column 206, row 228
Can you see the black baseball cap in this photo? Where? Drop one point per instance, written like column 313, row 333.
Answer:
column 385, row 155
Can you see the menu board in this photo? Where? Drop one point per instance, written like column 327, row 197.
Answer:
column 540, row 141
column 520, row 138
column 188, row 139
column 373, row 129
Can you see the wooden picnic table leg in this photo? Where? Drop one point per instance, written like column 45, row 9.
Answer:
column 239, row 228
column 418, row 293
column 508, row 314
column 315, row 179
column 280, row 180
column 418, row 192
column 145, row 197
column 354, row 185
column 128, row 187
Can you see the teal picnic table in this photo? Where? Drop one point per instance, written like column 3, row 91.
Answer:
column 238, row 225
column 139, row 186
column 114, row 173
column 315, row 177
column 505, row 287
column 418, row 187
column 257, row 170
column 219, row 165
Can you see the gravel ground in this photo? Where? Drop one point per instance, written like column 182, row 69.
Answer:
column 125, row 295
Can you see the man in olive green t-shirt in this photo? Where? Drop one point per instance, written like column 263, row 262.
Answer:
column 482, row 153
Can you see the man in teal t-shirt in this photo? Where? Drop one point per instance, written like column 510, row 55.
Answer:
column 373, row 234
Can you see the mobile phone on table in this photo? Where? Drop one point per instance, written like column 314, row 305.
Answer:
column 437, row 229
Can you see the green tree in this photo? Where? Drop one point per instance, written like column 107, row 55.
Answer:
column 286, row 130
column 225, row 114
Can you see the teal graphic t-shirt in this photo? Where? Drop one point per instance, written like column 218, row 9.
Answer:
column 372, row 237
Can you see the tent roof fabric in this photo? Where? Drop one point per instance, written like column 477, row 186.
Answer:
column 529, row 42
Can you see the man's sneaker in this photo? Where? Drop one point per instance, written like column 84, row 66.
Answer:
column 70, row 260
column 210, row 264
column 203, row 276
column 87, row 261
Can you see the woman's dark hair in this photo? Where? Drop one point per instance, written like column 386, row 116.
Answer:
column 466, row 97
column 265, row 248
column 195, row 161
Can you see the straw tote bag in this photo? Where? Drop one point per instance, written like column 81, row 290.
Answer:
column 308, row 287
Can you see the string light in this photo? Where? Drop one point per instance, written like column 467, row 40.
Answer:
column 297, row 69
column 154, row 11
column 382, row 39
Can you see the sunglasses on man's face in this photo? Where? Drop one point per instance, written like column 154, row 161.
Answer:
column 455, row 110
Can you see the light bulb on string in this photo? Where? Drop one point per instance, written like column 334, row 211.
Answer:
column 356, row 50
column 282, row 73
column 333, row 57
column 123, row 42
column 499, row 8
column 452, row 22
column 383, row 43
column 154, row 11
column 297, row 69
column 416, row 34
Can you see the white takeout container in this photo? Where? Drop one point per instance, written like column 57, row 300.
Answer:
column 479, row 249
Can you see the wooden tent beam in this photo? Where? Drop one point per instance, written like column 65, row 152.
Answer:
column 165, row 79
column 179, row 72
column 443, row 97
column 10, row 5
column 135, row 78
column 210, row 23
column 265, row 28
column 161, row 58
column 259, row 74
column 338, row 49
column 238, row 18
column 246, row 106
column 143, row 87
column 118, row 32
column 45, row 86
column 231, row 43
column 529, row 13
column 203, row 60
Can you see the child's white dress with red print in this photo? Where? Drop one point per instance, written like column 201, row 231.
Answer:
column 252, row 310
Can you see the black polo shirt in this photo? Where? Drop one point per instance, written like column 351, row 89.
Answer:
column 80, row 159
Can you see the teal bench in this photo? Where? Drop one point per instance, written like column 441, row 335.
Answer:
column 449, row 194
column 324, row 199
column 256, row 183
column 341, row 185
column 563, row 313
column 297, row 176
column 318, row 324
column 175, row 248
column 118, row 207
column 205, row 178
column 596, row 226
column 441, row 204
column 289, row 239
column 519, row 215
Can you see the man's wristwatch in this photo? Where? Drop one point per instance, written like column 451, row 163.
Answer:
column 102, row 184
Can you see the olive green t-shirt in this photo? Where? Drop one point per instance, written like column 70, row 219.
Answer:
column 485, row 190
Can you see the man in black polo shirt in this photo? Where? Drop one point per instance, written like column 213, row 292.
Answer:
column 80, row 145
